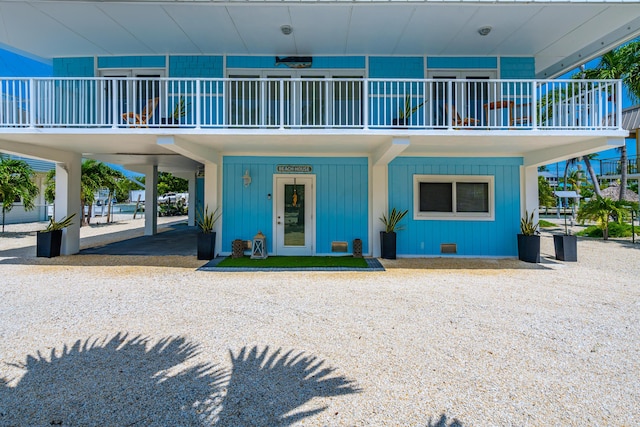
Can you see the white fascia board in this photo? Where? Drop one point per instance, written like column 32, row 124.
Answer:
column 564, row 152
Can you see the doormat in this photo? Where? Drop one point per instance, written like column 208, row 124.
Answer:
column 292, row 263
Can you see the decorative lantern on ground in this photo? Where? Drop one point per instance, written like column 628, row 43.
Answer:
column 259, row 247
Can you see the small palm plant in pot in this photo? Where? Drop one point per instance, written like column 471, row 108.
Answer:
column 406, row 111
column 49, row 240
column 207, row 237
column 529, row 239
column 388, row 236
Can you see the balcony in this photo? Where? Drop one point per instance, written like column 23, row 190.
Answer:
column 612, row 168
column 287, row 104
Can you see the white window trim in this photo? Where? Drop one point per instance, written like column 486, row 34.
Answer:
column 453, row 216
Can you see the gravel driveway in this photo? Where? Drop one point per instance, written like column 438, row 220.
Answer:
column 142, row 341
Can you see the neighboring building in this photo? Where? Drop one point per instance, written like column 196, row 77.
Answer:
column 610, row 169
column 551, row 178
column 309, row 120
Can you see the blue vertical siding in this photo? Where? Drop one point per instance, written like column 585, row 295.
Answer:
column 342, row 199
column 473, row 238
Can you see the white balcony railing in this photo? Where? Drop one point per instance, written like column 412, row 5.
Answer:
column 423, row 104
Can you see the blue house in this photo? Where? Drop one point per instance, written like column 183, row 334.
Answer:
column 310, row 120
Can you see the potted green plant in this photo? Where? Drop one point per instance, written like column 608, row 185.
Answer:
column 566, row 245
column 406, row 111
column 179, row 111
column 529, row 239
column 388, row 236
column 206, row 236
column 49, row 240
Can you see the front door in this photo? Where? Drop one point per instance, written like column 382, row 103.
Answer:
column 294, row 214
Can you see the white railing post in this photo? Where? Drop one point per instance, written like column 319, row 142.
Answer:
column 281, row 103
column 618, row 100
column 198, row 101
column 534, row 106
column 114, row 104
column 327, row 104
column 32, row 102
column 365, row 104
column 449, row 105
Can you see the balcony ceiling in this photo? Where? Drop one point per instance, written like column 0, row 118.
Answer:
column 558, row 34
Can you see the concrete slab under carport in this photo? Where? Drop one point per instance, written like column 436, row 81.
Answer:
column 177, row 239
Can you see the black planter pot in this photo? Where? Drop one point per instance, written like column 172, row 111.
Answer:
column 388, row 245
column 529, row 248
column 566, row 247
column 399, row 123
column 48, row 243
column 206, row 245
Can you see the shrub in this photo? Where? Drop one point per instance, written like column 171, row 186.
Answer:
column 615, row 230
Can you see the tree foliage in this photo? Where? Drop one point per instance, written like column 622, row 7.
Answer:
column 545, row 193
column 602, row 209
column 16, row 183
column 95, row 176
column 167, row 183
column 621, row 63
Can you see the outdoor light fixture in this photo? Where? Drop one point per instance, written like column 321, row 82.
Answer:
column 286, row 29
column 483, row 31
column 246, row 178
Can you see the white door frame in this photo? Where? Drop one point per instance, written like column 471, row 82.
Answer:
column 310, row 215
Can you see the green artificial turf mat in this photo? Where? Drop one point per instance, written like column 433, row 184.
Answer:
column 294, row 262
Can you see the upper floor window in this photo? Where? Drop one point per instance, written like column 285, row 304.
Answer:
column 454, row 197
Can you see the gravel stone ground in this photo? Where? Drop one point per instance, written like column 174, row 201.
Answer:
column 90, row 340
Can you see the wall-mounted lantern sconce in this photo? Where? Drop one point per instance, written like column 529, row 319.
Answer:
column 246, row 178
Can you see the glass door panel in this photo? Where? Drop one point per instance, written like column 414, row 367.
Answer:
column 347, row 106
column 294, row 214
column 312, row 101
column 244, row 101
column 294, row 229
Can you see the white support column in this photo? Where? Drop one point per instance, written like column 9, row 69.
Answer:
column 150, row 200
column 529, row 183
column 191, row 218
column 380, row 187
column 379, row 205
column 67, row 201
column 211, row 197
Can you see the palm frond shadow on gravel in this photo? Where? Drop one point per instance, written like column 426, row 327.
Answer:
column 128, row 381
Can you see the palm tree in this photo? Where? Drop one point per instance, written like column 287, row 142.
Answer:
column 575, row 179
column 621, row 63
column 545, row 194
column 600, row 210
column 16, row 183
column 592, row 173
column 94, row 176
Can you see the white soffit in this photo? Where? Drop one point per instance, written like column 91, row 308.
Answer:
column 557, row 33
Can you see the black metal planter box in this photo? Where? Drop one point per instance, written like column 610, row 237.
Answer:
column 388, row 245
column 206, row 245
column 566, row 247
column 529, row 248
column 48, row 243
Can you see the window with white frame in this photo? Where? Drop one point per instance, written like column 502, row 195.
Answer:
column 454, row 197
